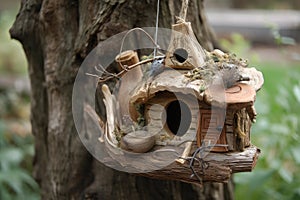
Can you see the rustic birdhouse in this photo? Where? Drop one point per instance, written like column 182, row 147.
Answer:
column 176, row 106
column 200, row 102
column 176, row 109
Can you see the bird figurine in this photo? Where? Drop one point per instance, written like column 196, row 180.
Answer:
column 231, row 76
column 156, row 68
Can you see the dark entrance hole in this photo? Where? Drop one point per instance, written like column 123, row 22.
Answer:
column 181, row 55
column 178, row 117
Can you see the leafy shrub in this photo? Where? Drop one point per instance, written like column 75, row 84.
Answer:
column 276, row 132
column 15, row 165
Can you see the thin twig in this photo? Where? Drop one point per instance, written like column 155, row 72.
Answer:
column 118, row 75
column 104, row 70
column 202, row 163
column 94, row 75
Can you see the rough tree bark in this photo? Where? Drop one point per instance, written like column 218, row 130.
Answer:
column 56, row 36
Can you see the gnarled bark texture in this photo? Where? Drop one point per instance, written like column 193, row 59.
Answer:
column 56, row 36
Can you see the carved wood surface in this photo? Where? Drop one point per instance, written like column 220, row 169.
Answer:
column 220, row 167
column 165, row 81
column 183, row 39
column 239, row 96
column 256, row 77
column 129, row 81
column 208, row 131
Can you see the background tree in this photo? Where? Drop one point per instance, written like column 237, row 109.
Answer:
column 56, row 36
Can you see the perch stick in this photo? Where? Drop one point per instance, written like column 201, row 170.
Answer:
column 185, row 153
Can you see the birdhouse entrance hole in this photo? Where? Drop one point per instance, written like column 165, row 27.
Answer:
column 181, row 55
column 179, row 117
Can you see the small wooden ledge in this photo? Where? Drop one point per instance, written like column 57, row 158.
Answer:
column 219, row 168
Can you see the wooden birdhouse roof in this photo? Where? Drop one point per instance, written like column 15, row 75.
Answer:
column 175, row 81
column 169, row 80
column 239, row 96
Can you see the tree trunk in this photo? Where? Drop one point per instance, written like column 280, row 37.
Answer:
column 57, row 35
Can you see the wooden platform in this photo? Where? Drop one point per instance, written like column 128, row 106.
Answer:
column 218, row 167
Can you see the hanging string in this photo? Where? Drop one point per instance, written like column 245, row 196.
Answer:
column 125, row 36
column 184, row 8
column 156, row 46
column 156, row 28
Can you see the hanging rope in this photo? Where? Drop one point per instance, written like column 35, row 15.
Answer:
column 131, row 30
column 183, row 11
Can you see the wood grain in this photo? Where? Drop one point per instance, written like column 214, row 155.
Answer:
column 220, row 167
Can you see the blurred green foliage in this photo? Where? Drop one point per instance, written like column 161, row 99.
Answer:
column 16, row 141
column 12, row 57
column 278, row 38
column 277, row 174
column 16, row 154
column 276, row 132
